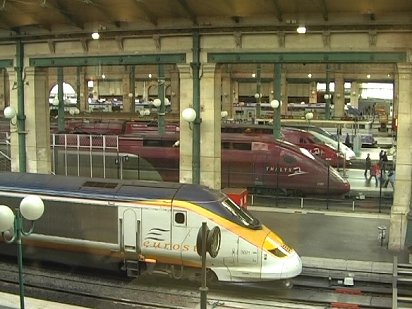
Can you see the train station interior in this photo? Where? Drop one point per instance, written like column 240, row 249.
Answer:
column 192, row 68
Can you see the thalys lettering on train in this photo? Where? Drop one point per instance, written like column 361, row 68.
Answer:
column 140, row 227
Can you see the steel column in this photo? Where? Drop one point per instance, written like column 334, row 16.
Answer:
column 327, row 93
column 21, row 117
column 196, row 106
column 258, row 94
column 161, row 95
column 60, row 114
column 277, row 85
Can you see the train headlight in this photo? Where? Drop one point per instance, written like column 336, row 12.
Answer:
column 278, row 252
column 277, row 248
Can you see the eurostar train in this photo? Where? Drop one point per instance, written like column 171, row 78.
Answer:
column 147, row 226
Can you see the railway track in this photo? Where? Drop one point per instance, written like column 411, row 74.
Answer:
column 315, row 288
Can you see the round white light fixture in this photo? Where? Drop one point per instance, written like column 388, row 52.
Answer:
column 189, row 114
column 309, row 116
column 274, row 103
column 301, row 29
column 74, row 111
column 157, row 102
column 6, row 218
column 95, row 35
column 224, row 114
column 9, row 112
column 258, row 95
column 32, row 207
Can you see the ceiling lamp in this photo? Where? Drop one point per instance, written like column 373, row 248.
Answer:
column 95, row 35
column 301, row 29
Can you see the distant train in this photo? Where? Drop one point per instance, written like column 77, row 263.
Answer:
column 257, row 162
column 141, row 227
column 299, row 137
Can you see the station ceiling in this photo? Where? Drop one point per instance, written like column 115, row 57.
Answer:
column 37, row 19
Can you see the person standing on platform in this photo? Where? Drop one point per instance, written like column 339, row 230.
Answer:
column 347, row 140
column 375, row 172
column 368, row 164
column 384, row 161
column 381, row 156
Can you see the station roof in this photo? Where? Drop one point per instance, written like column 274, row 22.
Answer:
column 24, row 19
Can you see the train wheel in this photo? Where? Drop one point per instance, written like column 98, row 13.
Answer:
column 211, row 278
column 288, row 284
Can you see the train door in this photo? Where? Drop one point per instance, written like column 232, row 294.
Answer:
column 130, row 227
column 156, row 232
column 260, row 161
column 184, row 236
column 229, row 251
column 259, row 170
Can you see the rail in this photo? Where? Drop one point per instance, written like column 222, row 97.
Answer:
column 402, row 277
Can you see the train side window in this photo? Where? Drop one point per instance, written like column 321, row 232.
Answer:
column 152, row 143
column 226, row 145
column 168, row 143
column 289, row 159
column 180, row 218
column 242, row 146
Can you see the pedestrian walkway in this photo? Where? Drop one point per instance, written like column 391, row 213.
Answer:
column 359, row 185
column 344, row 241
column 11, row 301
column 358, row 182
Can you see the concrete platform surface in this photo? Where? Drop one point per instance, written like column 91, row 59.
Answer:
column 11, row 301
column 343, row 241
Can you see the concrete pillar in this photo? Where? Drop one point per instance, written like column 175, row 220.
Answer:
column 313, row 95
column 235, row 98
column 210, row 137
column 14, row 138
column 339, row 97
column 354, row 94
column 402, row 195
column 175, row 92
column 2, row 89
column 127, row 92
column 186, row 100
column 226, row 90
column 36, row 105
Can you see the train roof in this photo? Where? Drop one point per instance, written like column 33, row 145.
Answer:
column 225, row 137
column 102, row 188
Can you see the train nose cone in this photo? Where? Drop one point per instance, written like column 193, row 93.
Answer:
column 292, row 267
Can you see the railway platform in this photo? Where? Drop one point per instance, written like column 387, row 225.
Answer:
column 360, row 186
column 12, row 301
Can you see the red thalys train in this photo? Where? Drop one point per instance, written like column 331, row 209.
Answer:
column 257, row 162
column 295, row 136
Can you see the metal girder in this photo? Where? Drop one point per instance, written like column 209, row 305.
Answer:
column 103, row 11
column 189, row 11
column 63, row 11
column 324, row 10
column 308, row 57
column 279, row 13
column 5, row 21
column 107, row 60
column 142, row 6
column 6, row 63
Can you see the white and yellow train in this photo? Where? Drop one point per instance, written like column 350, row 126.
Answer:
column 147, row 226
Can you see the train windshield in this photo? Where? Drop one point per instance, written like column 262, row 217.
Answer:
column 307, row 153
column 241, row 214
